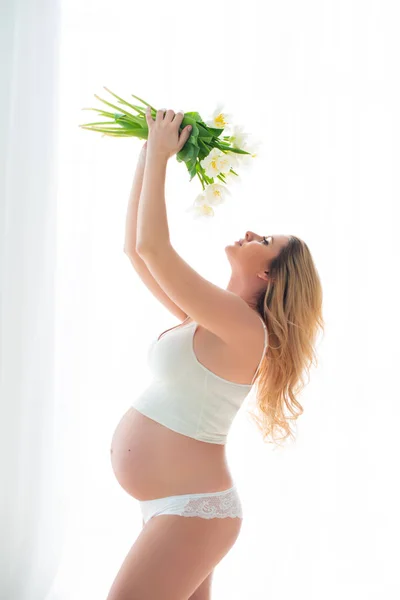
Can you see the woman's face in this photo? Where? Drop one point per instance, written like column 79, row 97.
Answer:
column 253, row 254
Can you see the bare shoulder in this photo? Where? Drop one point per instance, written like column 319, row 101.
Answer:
column 251, row 333
column 255, row 332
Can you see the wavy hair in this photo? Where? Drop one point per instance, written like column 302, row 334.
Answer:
column 291, row 307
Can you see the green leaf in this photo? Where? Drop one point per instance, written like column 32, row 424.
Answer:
column 189, row 152
column 215, row 132
column 237, row 150
column 195, row 130
column 204, row 150
column 195, row 115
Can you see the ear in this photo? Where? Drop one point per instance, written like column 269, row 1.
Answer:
column 263, row 275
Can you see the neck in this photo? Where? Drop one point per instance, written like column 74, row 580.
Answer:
column 245, row 290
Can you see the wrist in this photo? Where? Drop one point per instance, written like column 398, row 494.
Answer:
column 156, row 155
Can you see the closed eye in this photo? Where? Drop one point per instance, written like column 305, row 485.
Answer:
column 265, row 241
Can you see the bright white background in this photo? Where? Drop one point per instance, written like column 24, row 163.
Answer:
column 316, row 82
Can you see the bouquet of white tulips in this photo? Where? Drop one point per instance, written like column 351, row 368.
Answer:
column 207, row 153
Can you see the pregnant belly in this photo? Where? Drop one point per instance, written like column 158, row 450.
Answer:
column 152, row 461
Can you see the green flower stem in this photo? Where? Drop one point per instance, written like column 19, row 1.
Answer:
column 119, row 134
column 204, row 146
column 200, row 173
column 137, row 108
column 226, row 148
column 101, row 112
column 128, row 114
column 201, row 181
column 207, row 179
column 144, row 102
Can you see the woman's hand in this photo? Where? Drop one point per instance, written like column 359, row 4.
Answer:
column 164, row 137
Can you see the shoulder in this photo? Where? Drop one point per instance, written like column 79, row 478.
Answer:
column 258, row 333
column 252, row 332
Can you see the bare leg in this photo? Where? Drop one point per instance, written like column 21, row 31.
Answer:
column 203, row 592
column 172, row 558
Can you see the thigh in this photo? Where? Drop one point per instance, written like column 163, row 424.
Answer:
column 172, row 557
column 203, row 592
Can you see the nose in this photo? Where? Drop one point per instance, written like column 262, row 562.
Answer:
column 249, row 235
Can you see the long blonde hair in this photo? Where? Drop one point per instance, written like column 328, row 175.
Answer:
column 291, row 307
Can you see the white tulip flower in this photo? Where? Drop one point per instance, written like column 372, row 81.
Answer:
column 219, row 119
column 216, row 162
column 216, row 194
column 200, row 207
column 238, row 138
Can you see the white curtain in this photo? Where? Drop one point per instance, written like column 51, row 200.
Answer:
column 31, row 500
column 317, row 83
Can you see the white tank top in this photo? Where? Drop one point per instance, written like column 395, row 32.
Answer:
column 184, row 395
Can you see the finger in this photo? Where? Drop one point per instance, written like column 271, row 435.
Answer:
column 184, row 136
column 179, row 117
column 149, row 118
column 169, row 115
column 160, row 115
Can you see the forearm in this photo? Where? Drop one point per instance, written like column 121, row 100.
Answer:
column 133, row 205
column 152, row 224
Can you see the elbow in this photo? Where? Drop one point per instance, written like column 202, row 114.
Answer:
column 142, row 248
column 130, row 250
column 142, row 251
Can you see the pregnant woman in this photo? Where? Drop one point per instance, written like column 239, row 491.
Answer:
column 168, row 450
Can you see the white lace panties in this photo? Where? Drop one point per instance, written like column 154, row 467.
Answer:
column 209, row 505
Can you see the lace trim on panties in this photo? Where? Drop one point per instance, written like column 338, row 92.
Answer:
column 208, row 507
